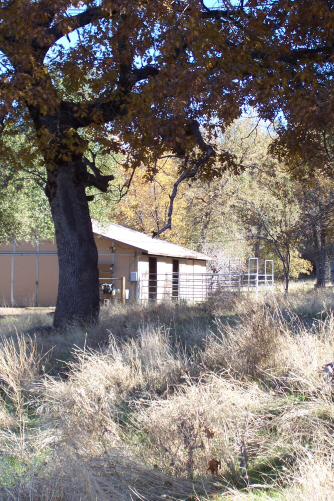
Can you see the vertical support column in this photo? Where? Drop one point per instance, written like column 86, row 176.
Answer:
column 137, row 270
column 122, row 290
column 37, row 273
column 269, row 281
column 112, row 258
column 12, row 275
column 139, row 277
column 265, row 275
column 255, row 275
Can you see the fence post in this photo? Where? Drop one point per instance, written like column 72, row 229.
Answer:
column 122, row 290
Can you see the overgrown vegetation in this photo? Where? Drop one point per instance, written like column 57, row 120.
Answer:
column 136, row 406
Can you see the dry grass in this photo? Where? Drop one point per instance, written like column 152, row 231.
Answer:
column 150, row 395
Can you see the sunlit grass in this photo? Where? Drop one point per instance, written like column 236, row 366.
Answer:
column 136, row 406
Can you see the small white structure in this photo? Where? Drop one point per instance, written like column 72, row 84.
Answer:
column 153, row 269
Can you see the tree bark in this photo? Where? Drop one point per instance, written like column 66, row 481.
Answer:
column 320, row 256
column 78, row 290
column 286, row 270
column 323, row 256
column 286, row 291
column 257, row 242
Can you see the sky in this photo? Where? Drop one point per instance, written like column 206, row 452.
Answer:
column 211, row 4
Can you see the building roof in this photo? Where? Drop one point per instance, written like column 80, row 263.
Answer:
column 144, row 243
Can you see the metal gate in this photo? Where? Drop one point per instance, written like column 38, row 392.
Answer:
column 201, row 286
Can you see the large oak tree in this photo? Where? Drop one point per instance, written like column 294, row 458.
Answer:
column 143, row 77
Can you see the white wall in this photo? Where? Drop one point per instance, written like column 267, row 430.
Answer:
column 164, row 273
column 143, row 278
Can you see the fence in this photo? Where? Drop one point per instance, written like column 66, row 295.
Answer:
column 201, row 286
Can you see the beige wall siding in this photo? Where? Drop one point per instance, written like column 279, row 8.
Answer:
column 48, row 246
column 23, row 246
column 143, row 278
column 5, row 280
column 6, row 247
column 123, row 261
column 103, row 246
column 25, row 290
column 161, row 275
column 168, row 279
column 191, row 286
column 199, row 267
column 47, row 280
column 25, row 280
column 164, row 272
column 183, row 279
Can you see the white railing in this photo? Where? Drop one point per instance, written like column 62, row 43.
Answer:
column 201, row 286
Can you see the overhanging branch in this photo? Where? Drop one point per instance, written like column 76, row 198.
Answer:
column 97, row 179
column 72, row 23
column 83, row 114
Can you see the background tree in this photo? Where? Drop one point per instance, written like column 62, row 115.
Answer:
column 271, row 217
column 316, row 199
column 257, row 213
column 24, row 207
column 145, row 206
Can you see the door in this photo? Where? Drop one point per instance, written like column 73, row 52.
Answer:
column 152, row 280
column 175, row 280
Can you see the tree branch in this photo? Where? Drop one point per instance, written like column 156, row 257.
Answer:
column 72, row 23
column 294, row 55
column 123, row 190
column 96, row 179
column 189, row 173
column 82, row 114
column 9, row 4
column 145, row 72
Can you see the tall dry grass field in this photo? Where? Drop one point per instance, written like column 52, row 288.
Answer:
column 136, row 406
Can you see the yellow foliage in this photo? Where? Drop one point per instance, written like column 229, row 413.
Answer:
column 145, row 207
column 298, row 265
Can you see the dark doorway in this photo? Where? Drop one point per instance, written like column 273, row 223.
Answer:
column 152, row 277
column 175, row 279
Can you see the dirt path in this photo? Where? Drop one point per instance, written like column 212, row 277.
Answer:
column 4, row 312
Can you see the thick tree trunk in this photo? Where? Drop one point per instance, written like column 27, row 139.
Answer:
column 320, row 258
column 78, row 291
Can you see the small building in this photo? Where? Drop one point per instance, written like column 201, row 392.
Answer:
column 153, row 269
